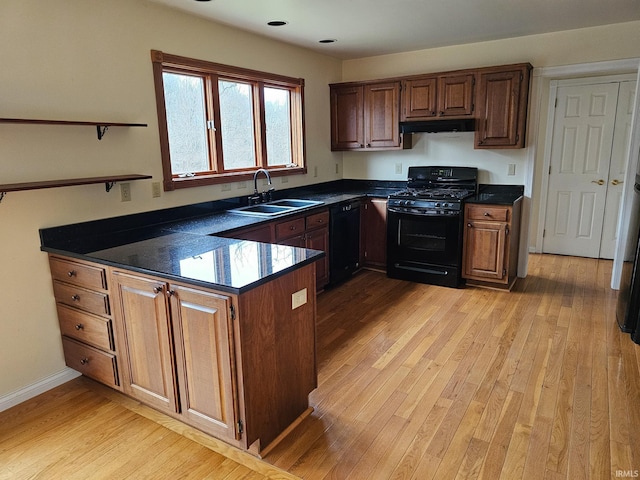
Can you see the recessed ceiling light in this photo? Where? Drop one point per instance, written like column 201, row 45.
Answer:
column 277, row 23
column 328, row 40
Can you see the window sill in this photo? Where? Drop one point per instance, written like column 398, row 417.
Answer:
column 200, row 181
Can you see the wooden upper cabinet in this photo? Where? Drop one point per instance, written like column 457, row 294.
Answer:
column 503, row 94
column 347, row 116
column 382, row 115
column 433, row 97
column 365, row 116
column 419, row 99
column 455, row 95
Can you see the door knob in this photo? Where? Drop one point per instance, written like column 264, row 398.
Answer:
column 615, row 181
column 599, row 182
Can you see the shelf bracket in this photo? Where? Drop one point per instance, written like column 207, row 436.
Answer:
column 102, row 129
column 108, row 186
column 2, row 194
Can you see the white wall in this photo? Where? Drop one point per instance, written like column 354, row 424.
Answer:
column 90, row 60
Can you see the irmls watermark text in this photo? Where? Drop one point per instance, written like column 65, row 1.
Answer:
column 627, row 473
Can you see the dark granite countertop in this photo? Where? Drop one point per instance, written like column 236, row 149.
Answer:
column 497, row 194
column 180, row 243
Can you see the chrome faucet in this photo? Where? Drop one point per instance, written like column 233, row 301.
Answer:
column 264, row 196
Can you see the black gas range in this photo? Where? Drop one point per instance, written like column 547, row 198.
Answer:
column 424, row 225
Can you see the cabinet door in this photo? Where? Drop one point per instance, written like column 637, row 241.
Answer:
column 347, row 116
column 374, row 229
column 145, row 340
column 382, row 115
column 318, row 239
column 204, row 359
column 484, row 250
column 502, row 108
column 455, row 95
column 419, row 99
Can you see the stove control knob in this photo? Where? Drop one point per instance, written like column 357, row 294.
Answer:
column 437, row 204
column 445, row 205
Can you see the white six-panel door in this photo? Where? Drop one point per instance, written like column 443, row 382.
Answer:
column 581, row 151
column 617, row 170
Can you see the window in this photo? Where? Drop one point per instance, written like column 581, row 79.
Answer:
column 220, row 123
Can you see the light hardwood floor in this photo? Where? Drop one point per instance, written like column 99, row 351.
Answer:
column 415, row 381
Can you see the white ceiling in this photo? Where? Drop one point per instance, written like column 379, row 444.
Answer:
column 373, row 27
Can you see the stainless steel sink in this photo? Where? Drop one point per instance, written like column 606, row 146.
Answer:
column 277, row 207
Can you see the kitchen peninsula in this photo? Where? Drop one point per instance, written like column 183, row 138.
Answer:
column 217, row 332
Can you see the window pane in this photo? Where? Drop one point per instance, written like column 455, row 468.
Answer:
column 186, row 123
column 237, row 125
column 277, row 110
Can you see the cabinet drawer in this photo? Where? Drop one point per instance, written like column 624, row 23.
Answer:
column 317, row 220
column 86, row 327
column 488, row 212
column 91, row 362
column 78, row 274
column 78, row 297
column 290, row 228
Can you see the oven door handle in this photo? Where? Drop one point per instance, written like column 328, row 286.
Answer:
column 418, row 214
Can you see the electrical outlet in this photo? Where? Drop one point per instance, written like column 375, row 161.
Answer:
column 242, row 185
column 337, row 168
column 125, row 192
column 398, row 168
column 315, row 171
column 284, row 179
column 226, row 187
column 156, row 191
column 512, row 169
column 298, row 298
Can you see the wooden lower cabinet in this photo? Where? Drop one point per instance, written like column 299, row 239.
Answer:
column 145, row 339
column 202, row 333
column 84, row 311
column 490, row 246
column 374, row 233
column 238, row 367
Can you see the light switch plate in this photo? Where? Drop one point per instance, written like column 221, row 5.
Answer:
column 512, row 169
column 298, row 298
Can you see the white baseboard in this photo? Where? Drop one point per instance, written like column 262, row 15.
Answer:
column 35, row 389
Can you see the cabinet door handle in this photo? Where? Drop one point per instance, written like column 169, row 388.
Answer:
column 84, row 361
column 487, row 214
column 79, row 326
column 469, row 225
column 170, row 293
column 615, row 181
column 292, row 227
column 72, row 273
column 75, row 297
column 158, row 289
column 599, row 182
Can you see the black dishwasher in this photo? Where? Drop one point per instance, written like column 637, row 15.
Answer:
column 344, row 240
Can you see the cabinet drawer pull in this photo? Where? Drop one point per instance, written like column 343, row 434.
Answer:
column 75, row 297
column 292, row 227
column 469, row 225
column 487, row 214
column 84, row 361
column 71, row 273
column 79, row 326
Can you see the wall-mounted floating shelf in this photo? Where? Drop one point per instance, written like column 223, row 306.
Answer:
column 101, row 127
column 109, row 182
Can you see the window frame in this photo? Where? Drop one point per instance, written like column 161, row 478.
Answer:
column 211, row 73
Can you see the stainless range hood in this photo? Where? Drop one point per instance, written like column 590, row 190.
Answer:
column 434, row 126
